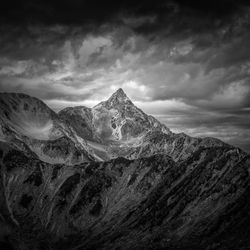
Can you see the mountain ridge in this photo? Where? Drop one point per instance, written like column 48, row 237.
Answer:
column 146, row 203
column 145, row 188
column 127, row 131
column 28, row 121
column 104, row 131
column 117, row 98
column 120, row 103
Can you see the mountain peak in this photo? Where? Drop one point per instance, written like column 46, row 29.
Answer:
column 119, row 94
column 120, row 91
column 118, row 97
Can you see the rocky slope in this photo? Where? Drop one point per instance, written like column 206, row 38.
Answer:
column 149, row 203
column 114, row 120
column 33, row 127
column 80, row 118
column 112, row 124
column 116, row 127
column 161, row 191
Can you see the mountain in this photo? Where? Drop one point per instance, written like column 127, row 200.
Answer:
column 114, row 120
column 112, row 177
column 116, row 127
column 33, row 127
column 80, row 118
column 148, row 203
column 112, row 124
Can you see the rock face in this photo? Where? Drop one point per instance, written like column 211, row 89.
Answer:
column 149, row 203
column 116, row 120
column 80, row 118
column 111, row 125
column 33, row 127
column 117, row 128
column 161, row 191
column 123, row 120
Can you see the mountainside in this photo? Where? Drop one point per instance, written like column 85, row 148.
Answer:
column 112, row 177
column 149, row 203
column 116, row 127
column 114, row 120
column 32, row 126
column 81, row 119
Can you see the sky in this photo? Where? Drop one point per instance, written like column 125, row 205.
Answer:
column 185, row 62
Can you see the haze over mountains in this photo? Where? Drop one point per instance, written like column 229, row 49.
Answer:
column 113, row 177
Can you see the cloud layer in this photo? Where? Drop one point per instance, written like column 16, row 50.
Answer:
column 185, row 62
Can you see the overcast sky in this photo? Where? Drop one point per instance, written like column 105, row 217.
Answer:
column 185, row 62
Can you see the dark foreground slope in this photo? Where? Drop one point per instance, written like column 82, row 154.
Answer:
column 202, row 202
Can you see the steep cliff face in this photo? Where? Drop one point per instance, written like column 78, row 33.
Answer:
column 148, row 203
column 32, row 126
column 123, row 120
column 116, row 127
column 114, row 120
column 81, row 119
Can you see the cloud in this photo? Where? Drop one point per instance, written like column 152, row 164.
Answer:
column 135, row 22
column 231, row 127
column 15, row 68
column 185, row 61
column 93, row 47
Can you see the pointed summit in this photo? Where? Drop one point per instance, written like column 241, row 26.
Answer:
column 118, row 97
column 119, row 94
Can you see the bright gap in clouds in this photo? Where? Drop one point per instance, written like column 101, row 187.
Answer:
column 133, row 89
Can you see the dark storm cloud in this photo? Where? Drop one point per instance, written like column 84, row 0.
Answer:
column 141, row 14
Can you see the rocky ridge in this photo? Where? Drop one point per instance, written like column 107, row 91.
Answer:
column 116, row 127
column 140, row 186
column 30, row 125
column 147, row 203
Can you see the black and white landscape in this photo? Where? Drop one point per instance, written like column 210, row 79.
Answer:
column 112, row 177
column 124, row 125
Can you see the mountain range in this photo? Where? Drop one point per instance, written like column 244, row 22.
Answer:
column 113, row 177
